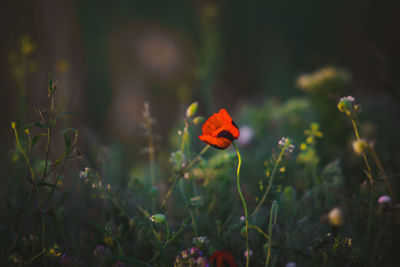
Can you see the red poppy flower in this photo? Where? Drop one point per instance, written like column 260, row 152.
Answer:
column 222, row 259
column 219, row 130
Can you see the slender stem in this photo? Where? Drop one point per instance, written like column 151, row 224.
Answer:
column 55, row 184
column 168, row 195
column 271, row 179
column 188, row 208
column 371, row 203
column 43, row 217
column 47, row 154
column 169, row 241
column 167, row 227
column 24, row 154
column 272, row 220
column 383, row 173
column 369, row 176
column 243, row 202
column 364, row 155
column 28, row 200
column 190, row 165
column 259, row 230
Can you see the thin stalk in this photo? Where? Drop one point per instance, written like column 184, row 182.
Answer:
column 198, row 157
column 47, row 154
column 28, row 200
column 371, row 203
column 169, row 241
column 55, row 184
column 369, row 176
column 243, row 202
column 188, row 208
column 167, row 228
column 260, row 231
column 383, row 173
column 24, row 154
column 271, row 179
column 151, row 161
column 272, row 220
column 168, row 195
column 364, row 155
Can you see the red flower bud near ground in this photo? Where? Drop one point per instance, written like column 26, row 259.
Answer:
column 222, row 259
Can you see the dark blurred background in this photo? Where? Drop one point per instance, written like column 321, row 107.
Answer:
column 111, row 57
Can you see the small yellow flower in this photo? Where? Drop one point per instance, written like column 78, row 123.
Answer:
column 309, row 140
column 27, row 47
column 303, row 146
column 282, row 169
column 319, row 134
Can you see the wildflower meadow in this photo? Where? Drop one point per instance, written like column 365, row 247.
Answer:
column 174, row 136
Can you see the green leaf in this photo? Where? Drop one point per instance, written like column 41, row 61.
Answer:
column 40, row 125
column 48, row 185
column 64, row 113
column 67, row 139
column 28, row 125
column 36, row 138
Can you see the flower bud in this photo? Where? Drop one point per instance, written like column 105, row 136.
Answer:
column 360, row 146
column 198, row 120
column 14, row 125
column 345, row 105
column 191, row 110
column 335, row 217
column 158, row 218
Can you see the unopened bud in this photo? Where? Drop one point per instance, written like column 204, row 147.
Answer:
column 191, row 110
column 198, row 120
column 360, row 146
column 335, row 217
column 345, row 105
column 158, row 218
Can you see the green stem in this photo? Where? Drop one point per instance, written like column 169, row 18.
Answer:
column 26, row 206
column 188, row 208
column 369, row 176
column 364, row 155
column 271, row 179
column 259, row 230
column 383, row 173
column 55, row 184
column 197, row 158
column 169, row 241
column 24, row 154
column 371, row 202
column 168, row 195
column 243, row 202
column 167, row 228
column 272, row 220
column 28, row 200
